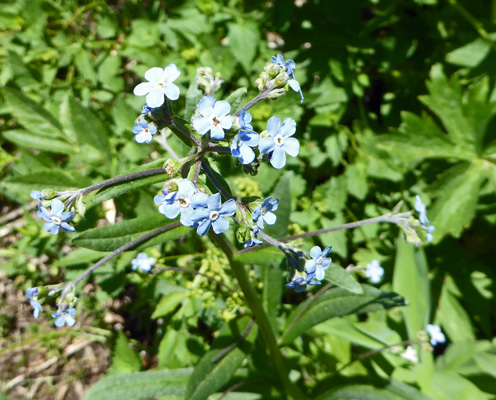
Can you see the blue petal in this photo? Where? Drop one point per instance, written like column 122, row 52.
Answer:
column 154, row 75
column 273, row 125
column 288, row 127
column 203, row 227
column 266, row 145
column 251, row 139
column 228, row 208
column 186, row 214
column 70, row 321
column 246, row 154
column 291, row 146
column 201, row 125
column 171, row 73
column 226, row 122
column 214, row 202
column 206, row 106
column 57, row 207
column 186, row 188
column 66, row 227
column 315, row 252
column 155, row 98
column 52, row 228
column 137, row 129
column 67, row 216
column 60, row 322
column 310, row 266
column 200, row 214
column 143, row 89
column 319, row 273
column 221, row 108
column 216, row 132
column 171, row 210
column 270, row 218
column 278, row 159
column 171, row 91
column 199, row 200
column 220, row 225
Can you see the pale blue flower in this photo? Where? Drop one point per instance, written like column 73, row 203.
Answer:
column 183, row 202
column 56, row 218
column 64, row 317
column 241, row 147
column 290, row 66
column 319, row 262
column 32, row 294
column 279, row 142
column 299, row 284
column 159, row 199
column 436, row 334
column 146, row 110
column 36, row 195
column 214, row 117
column 143, row 262
column 263, row 213
column 244, row 120
column 374, row 271
column 215, row 214
column 159, row 85
column 143, row 131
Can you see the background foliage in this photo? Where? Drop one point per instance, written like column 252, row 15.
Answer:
column 399, row 100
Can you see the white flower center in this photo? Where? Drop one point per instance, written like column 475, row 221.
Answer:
column 214, row 120
column 183, row 202
column 279, row 140
column 160, row 85
column 319, row 260
column 214, row 215
column 56, row 220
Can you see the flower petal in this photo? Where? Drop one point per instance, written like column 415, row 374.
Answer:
column 206, row 106
column 155, row 98
column 185, row 188
column 246, row 154
column 291, row 146
column 293, row 84
column 203, row 227
column 70, row 321
column 52, row 228
column 288, row 127
column 226, row 122
column 270, row 218
column 171, row 91
column 273, row 125
column 310, row 266
column 202, row 125
column 199, row 200
column 66, row 227
column 266, row 145
column 143, row 89
column 221, row 108
column 200, row 214
column 57, row 207
column 315, row 252
column 216, row 132
column 171, row 210
column 251, row 139
column 220, row 225
column 278, row 159
column 171, row 73
column 319, row 273
column 214, row 202
column 154, row 75
column 228, row 208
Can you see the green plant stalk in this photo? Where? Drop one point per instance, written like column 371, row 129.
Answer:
column 260, row 316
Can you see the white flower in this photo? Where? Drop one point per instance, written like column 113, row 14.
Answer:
column 159, row 85
column 410, row 354
column 374, row 271
column 437, row 336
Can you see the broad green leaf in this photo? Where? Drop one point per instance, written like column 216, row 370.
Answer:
column 272, row 287
column 487, row 363
column 89, row 129
column 130, row 186
column 30, row 115
column 449, row 386
column 356, row 180
column 336, row 303
column 210, row 376
column 445, row 100
column 411, row 281
column 469, row 55
column 109, row 238
column 243, row 39
column 264, row 256
column 84, row 64
column 454, row 208
column 235, row 98
column 169, row 302
column 342, row 278
column 140, row 385
column 282, row 192
column 124, row 359
column 33, row 140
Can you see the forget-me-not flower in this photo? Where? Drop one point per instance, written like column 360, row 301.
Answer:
column 32, row 294
column 279, row 142
column 424, row 221
column 143, row 262
column 253, row 241
column 263, row 213
column 159, row 199
column 64, row 317
column 245, row 139
column 57, row 218
column 319, row 262
column 159, row 85
column 183, row 202
column 437, row 336
column 299, row 284
column 36, row 195
column 145, row 109
column 290, row 66
column 144, row 132
column 214, row 117
column 214, row 215
column 374, row 271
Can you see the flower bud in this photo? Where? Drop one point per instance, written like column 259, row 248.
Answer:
column 281, row 80
column 48, row 194
column 272, row 69
column 172, row 166
column 243, row 233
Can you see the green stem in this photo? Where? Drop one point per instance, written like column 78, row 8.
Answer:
column 260, row 317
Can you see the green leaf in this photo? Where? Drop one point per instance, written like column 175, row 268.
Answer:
column 282, row 192
column 469, row 55
column 30, row 115
column 140, row 385
column 336, row 303
column 110, row 238
column 243, row 39
column 272, row 287
column 124, row 359
column 411, row 281
column 77, row 257
column 458, row 190
column 236, row 97
column 169, row 302
column 33, row 140
column 340, row 277
column 263, row 256
column 487, row 363
column 449, row 386
column 210, row 376
column 130, row 186
column 89, row 129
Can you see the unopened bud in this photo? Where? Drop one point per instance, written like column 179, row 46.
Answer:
column 243, row 233
column 172, row 167
column 281, row 80
column 272, row 69
column 48, row 194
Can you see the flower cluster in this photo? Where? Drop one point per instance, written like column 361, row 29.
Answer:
column 424, row 221
column 62, row 317
column 314, row 270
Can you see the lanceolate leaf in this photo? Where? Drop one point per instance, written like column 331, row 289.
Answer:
column 342, row 278
column 210, row 376
column 336, row 303
column 33, row 140
column 109, row 238
column 140, row 385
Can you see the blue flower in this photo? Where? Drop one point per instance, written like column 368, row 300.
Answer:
column 57, row 218
column 318, row 263
column 32, row 294
column 290, row 66
column 374, row 271
column 299, row 283
column 215, row 214
column 214, row 117
column 253, row 241
column 183, row 202
column 64, row 317
column 424, row 221
column 263, row 213
column 437, row 336
column 159, row 199
column 143, row 131
column 146, row 110
column 36, row 195
column 143, row 262
column 279, row 142
column 244, row 120
column 242, row 144
column 159, row 85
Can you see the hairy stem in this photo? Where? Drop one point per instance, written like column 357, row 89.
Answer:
column 115, row 253
column 260, row 317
